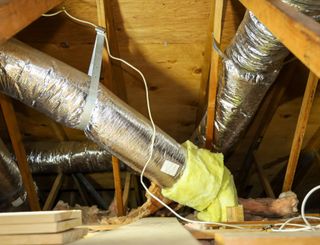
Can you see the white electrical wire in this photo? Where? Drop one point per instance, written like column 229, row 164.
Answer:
column 308, row 226
column 152, row 123
column 305, row 218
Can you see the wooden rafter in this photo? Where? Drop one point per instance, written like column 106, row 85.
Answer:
column 113, row 78
column 17, row 14
column 298, row 32
column 214, row 72
column 300, row 130
column 18, row 147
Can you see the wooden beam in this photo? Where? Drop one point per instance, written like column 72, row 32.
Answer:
column 300, row 130
column 126, row 191
column 263, row 179
column 113, row 75
column 214, row 72
column 53, row 192
column 16, row 140
column 298, row 32
column 117, row 186
column 113, row 78
column 17, row 14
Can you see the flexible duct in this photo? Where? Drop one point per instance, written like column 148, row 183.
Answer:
column 67, row 157
column 252, row 63
column 11, row 189
column 60, row 91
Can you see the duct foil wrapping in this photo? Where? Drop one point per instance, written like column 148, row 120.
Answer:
column 10, row 179
column 60, row 92
column 67, row 157
column 252, row 63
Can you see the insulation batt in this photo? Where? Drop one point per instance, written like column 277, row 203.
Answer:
column 250, row 66
column 60, row 91
column 67, row 157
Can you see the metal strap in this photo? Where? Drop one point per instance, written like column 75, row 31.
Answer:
column 94, row 73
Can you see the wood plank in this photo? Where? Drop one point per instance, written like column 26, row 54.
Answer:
column 235, row 214
column 55, row 238
column 126, row 191
column 117, row 186
column 214, row 72
column 39, row 217
column 155, row 231
column 300, row 130
column 263, row 179
column 16, row 140
column 39, row 227
column 266, row 238
column 106, row 20
column 53, row 192
column 17, row 14
column 298, row 32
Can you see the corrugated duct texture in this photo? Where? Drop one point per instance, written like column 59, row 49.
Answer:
column 60, row 91
column 67, row 157
column 11, row 187
column 252, row 63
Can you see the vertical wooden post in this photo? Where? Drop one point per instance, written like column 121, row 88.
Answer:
column 117, row 185
column 214, row 72
column 113, row 78
column 300, row 130
column 16, row 140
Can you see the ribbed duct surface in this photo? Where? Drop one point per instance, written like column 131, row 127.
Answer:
column 67, row 157
column 11, row 188
column 60, row 91
column 252, row 63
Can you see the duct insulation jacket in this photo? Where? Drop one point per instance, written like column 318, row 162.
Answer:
column 60, row 91
column 252, row 63
column 11, row 188
column 67, row 157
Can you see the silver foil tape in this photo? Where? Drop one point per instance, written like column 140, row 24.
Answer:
column 253, row 61
column 68, row 157
column 11, row 187
column 60, row 91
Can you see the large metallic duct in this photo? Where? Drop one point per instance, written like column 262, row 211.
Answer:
column 60, row 91
column 12, row 193
column 67, row 157
column 252, row 63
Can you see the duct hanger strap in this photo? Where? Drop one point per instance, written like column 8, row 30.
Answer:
column 94, row 73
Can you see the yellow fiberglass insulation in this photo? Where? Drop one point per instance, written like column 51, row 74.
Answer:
column 205, row 185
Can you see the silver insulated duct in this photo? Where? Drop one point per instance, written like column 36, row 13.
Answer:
column 252, row 63
column 12, row 193
column 67, row 157
column 60, row 91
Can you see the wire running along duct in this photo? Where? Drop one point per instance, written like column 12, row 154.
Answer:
column 253, row 61
column 60, row 91
column 67, row 157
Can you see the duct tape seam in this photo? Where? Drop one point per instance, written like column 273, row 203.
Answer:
column 94, row 73
column 20, row 200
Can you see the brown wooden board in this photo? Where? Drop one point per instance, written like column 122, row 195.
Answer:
column 38, row 217
column 55, row 238
column 39, row 227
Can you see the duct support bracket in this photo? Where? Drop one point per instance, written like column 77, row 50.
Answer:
column 94, row 72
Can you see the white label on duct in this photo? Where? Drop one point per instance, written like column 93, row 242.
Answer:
column 169, row 167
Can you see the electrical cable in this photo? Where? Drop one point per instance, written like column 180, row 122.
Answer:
column 63, row 10
column 308, row 226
